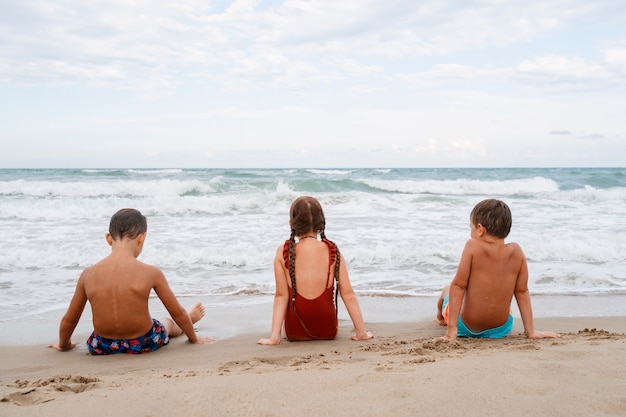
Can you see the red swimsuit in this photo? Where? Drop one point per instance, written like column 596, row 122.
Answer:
column 316, row 318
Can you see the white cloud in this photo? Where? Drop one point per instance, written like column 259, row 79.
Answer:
column 440, row 80
column 443, row 73
column 616, row 57
column 469, row 147
column 563, row 68
column 248, row 43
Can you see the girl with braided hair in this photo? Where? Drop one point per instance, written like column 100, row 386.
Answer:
column 309, row 273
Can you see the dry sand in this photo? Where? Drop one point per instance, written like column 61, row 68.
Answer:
column 402, row 372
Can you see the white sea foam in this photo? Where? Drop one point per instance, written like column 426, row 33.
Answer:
column 466, row 186
column 330, row 171
column 216, row 232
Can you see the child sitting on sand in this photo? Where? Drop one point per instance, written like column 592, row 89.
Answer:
column 118, row 288
column 477, row 303
column 305, row 273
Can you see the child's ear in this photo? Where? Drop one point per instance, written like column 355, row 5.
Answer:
column 481, row 229
column 109, row 239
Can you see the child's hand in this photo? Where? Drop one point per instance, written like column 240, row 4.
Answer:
column 451, row 334
column 269, row 342
column 542, row 335
column 62, row 348
column 363, row 336
column 204, row 340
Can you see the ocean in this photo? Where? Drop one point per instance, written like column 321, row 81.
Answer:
column 214, row 232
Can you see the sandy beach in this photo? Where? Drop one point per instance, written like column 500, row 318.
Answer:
column 402, row 372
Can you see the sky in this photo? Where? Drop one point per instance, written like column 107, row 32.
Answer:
column 312, row 83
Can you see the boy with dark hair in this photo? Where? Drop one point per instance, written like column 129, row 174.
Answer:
column 118, row 288
column 478, row 301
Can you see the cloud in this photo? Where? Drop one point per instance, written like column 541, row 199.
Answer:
column 616, row 57
column 287, row 44
column 579, row 136
column 591, row 136
column 441, row 80
column 444, row 73
column 468, row 146
column 564, row 70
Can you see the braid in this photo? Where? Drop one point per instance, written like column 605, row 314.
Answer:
column 292, row 264
column 338, row 256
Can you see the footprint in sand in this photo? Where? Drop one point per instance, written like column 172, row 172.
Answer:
column 262, row 365
column 47, row 389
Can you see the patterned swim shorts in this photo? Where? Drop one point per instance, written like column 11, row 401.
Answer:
column 149, row 342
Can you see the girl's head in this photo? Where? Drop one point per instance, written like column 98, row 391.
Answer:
column 306, row 215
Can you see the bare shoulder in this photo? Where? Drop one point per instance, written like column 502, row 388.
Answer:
column 472, row 245
column 148, row 270
column 151, row 269
column 87, row 272
column 91, row 271
column 515, row 248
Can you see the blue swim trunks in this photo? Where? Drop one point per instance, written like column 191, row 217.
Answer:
column 495, row 333
column 154, row 339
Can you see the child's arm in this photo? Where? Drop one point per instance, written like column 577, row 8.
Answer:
column 352, row 304
column 522, row 296
column 457, row 291
column 176, row 310
column 71, row 317
column 281, row 301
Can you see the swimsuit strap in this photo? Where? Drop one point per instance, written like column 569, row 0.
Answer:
column 337, row 260
column 286, row 253
column 333, row 256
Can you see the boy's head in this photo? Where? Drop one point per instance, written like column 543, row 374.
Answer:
column 306, row 215
column 128, row 223
column 494, row 216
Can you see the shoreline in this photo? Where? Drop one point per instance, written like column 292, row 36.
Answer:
column 401, row 372
column 231, row 316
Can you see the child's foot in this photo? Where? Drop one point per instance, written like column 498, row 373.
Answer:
column 440, row 320
column 196, row 312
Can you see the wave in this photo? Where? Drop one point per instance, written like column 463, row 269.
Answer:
column 155, row 171
column 534, row 185
column 100, row 171
column 329, row 171
column 102, row 188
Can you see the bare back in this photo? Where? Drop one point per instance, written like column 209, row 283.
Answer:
column 494, row 273
column 118, row 288
column 312, row 267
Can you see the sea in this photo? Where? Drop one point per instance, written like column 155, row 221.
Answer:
column 214, row 232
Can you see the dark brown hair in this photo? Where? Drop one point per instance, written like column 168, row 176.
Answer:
column 127, row 222
column 306, row 215
column 494, row 215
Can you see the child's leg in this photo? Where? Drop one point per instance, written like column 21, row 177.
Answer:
column 444, row 293
column 195, row 314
